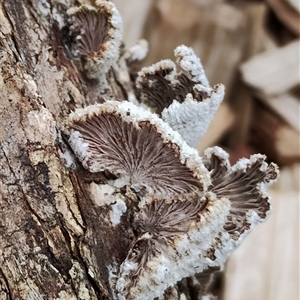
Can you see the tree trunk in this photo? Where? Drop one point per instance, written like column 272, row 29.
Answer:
column 64, row 233
column 55, row 241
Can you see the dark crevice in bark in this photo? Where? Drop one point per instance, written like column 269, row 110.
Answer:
column 7, row 284
column 32, row 228
column 90, row 279
column 19, row 35
column 78, row 193
column 12, row 41
column 61, row 55
column 59, row 265
column 105, row 254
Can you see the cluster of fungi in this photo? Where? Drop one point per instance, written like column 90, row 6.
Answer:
column 190, row 211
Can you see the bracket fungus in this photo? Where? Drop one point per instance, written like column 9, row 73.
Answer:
column 194, row 232
column 191, row 212
column 135, row 145
column 184, row 99
column 95, row 35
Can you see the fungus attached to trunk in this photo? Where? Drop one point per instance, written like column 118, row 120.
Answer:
column 184, row 99
column 95, row 35
column 190, row 233
column 193, row 211
column 244, row 184
column 136, row 146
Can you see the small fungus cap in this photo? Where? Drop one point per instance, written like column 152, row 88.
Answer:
column 183, row 98
column 96, row 34
column 244, row 184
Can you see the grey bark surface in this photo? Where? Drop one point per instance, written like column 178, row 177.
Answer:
column 55, row 243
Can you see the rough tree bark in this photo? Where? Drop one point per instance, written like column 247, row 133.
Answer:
column 54, row 241
column 63, row 230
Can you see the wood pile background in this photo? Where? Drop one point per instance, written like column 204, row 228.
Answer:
column 252, row 47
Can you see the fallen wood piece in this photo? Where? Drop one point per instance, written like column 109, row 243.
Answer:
column 212, row 28
column 273, row 72
column 266, row 265
column 272, row 136
column 287, row 106
column 295, row 4
column 287, row 12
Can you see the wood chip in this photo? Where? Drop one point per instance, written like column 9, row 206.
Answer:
column 287, row 106
column 273, row 72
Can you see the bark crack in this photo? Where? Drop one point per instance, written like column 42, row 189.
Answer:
column 90, row 279
column 9, row 293
column 12, row 41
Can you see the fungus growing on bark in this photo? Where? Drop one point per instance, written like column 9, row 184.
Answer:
column 136, row 146
column 187, row 234
column 184, row 99
column 194, row 211
column 95, row 35
column 244, row 184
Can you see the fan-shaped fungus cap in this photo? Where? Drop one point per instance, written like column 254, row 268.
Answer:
column 184, row 99
column 192, row 232
column 158, row 258
column 137, row 146
column 244, row 184
column 96, row 33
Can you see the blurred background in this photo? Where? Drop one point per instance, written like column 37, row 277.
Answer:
column 252, row 47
